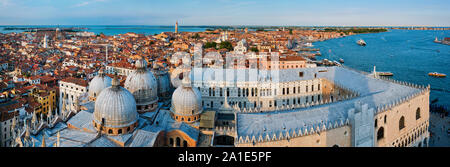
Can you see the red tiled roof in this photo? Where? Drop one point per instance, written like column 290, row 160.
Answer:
column 77, row 81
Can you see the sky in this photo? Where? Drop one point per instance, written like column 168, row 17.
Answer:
column 227, row 12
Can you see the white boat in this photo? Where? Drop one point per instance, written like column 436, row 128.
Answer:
column 309, row 44
column 361, row 42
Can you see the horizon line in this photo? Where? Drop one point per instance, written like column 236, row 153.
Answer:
column 440, row 26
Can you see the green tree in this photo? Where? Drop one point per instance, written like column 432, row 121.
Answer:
column 227, row 45
column 210, row 45
column 254, row 49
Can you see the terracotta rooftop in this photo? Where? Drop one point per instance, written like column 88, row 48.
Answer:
column 77, row 81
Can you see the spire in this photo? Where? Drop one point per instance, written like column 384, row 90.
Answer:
column 13, row 124
column 58, row 137
column 43, row 140
column 225, row 102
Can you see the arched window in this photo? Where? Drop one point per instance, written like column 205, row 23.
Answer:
column 335, row 145
column 178, row 142
column 376, row 122
column 171, row 141
column 418, row 113
column 380, row 133
column 401, row 123
column 120, row 131
column 110, row 131
column 189, row 119
column 128, row 129
column 185, row 143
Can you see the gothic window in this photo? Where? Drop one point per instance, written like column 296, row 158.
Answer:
column 401, row 123
column 417, row 113
column 380, row 133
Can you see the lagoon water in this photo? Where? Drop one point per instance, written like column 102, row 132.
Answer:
column 117, row 29
column 409, row 54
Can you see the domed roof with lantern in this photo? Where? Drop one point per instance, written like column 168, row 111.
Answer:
column 186, row 100
column 98, row 83
column 142, row 84
column 116, row 106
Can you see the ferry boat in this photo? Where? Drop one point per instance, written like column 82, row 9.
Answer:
column 388, row 74
column 436, row 74
column 361, row 42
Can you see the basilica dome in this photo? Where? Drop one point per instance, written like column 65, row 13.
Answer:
column 98, row 83
column 143, row 85
column 117, row 108
column 186, row 102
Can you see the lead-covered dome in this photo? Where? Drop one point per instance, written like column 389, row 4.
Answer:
column 143, row 85
column 117, row 107
column 98, row 83
column 186, row 102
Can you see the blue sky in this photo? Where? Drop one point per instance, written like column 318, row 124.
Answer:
column 225, row 12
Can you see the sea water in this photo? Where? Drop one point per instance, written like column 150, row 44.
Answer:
column 409, row 54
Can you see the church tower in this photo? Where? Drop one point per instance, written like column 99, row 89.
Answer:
column 176, row 27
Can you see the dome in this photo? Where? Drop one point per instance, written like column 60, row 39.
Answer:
column 142, row 84
column 186, row 101
column 117, row 106
column 98, row 83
